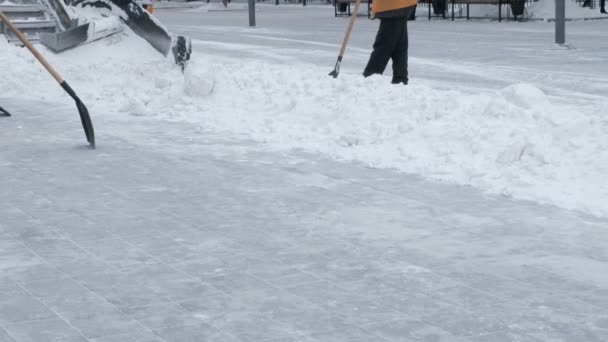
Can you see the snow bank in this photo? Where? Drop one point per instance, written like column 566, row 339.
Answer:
column 545, row 9
column 515, row 141
column 220, row 7
column 542, row 9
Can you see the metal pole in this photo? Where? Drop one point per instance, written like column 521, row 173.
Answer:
column 252, row 13
column 560, row 22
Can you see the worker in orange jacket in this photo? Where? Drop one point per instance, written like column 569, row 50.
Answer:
column 391, row 39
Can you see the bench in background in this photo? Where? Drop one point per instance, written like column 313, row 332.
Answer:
column 346, row 6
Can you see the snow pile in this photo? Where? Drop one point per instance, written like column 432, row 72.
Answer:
column 542, row 9
column 545, row 9
column 216, row 6
column 515, row 141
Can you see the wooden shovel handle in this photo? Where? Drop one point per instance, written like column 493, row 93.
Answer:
column 28, row 45
column 350, row 27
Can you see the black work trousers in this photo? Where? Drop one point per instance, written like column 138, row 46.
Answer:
column 391, row 43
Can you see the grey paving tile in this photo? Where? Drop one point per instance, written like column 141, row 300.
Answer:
column 462, row 322
column 169, row 282
column 599, row 322
column 296, row 314
column 349, row 334
column 78, row 229
column 104, row 323
column 339, row 270
column 321, row 292
column 121, row 225
column 241, row 282
column 212, row 243
column 22, row 307
column 28, row 229
column 126, row 295
column 411, row 330
column 194, row 333
column 217, row 307
column 420, row 279
column 561, row 303
column 154, row 240
column 183, row 288
column 375, row 287
column 45, row 330
column 572, row 334
column 16, row 255
column 117, row 253
column 249, row 326
column 204, row 266
column 549, row 324
column 89, row 270
column 293, row 279
column 415, row 305
column 271, row 271
column 9, row 287
column 177, row 255
column 56, row 249
column 26, row 274
column 353, row 309
column 53, row 287
column 506, row 288
column 79, row 305
column 288, row 339
column 310, row 320
column 212, row 307
column 144, row 336
column 163, row 315
column 465, row 296
column 4, row 336
column 505, row 337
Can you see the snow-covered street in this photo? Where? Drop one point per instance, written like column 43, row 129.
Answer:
column 257, row 199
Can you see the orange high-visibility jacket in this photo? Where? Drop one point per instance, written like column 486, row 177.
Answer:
column 379, row 6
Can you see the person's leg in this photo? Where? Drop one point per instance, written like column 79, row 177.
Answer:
column 399, row 55
column 386, row 39
column 603, row 6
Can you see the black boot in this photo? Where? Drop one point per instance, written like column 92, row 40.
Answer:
column 399, row 80
column 367, row 73
column 603, row 10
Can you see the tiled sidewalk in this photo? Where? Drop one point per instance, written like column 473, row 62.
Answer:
column 177, row 236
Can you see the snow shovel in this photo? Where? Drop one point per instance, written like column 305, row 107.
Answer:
column 3, row 112
column 336, row 70
column 83, row 111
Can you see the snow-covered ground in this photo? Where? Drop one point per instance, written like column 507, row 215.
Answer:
column 492, row 105
column 216, row 206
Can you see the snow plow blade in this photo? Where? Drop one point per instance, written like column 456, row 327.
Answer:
column 146, row 26
column 82, row 34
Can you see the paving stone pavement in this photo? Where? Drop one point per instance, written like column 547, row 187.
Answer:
column 165, row 233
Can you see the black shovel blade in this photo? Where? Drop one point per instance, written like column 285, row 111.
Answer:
column 336, row 70
column 87, row 124
column 85, row 118
column 3, row 112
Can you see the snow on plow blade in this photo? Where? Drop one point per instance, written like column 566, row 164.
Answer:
column 82, row 34
column 146, row 26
